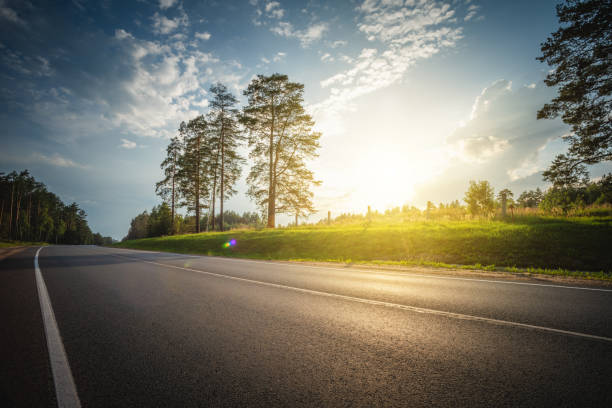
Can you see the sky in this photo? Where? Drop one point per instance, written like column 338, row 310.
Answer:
column 414, row 98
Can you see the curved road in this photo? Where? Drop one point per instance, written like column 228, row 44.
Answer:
column 157, row 329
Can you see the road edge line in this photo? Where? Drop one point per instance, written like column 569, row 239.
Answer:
column 376, row 271
column 65, row 389
column 453, row 315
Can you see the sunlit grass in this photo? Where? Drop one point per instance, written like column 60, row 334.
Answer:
column 548, row 245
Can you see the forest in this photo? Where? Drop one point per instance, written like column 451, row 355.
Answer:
column 31, row 213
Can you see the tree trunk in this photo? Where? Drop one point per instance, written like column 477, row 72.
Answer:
column 221, row 187
column 296, row 218
column 29, row 220
column 271, row 187
column 172, row 229
column 197, row 189
column 11, row 215
column 214, row 192
column 1, row 214
column 17, row 215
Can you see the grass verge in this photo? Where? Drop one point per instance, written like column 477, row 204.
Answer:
column 577, row 247
column 9, row 244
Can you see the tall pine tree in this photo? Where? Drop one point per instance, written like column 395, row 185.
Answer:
column 224, row 120
column 195, row 165
column 281, row 140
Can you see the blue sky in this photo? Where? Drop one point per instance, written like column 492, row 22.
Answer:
column 413, row 98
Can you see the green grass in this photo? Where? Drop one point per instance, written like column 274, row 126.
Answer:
column 549, row 245
column 9, row 244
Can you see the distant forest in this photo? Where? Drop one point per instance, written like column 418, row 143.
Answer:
column 29, row 212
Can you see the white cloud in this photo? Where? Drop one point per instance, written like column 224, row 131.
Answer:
column 121, row 34
column 279, row 56
column 203, row 36
column 401, row 35
column 338, row 43
column 9, row 14
column 283, row 29
column 273, row 10
column 128, row 144
column 327, row 57
column 166, row 4
column 57, row 160
column 165, row 25
column 307, row 36
column 472, row 11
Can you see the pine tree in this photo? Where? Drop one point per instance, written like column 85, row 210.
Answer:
column 224, row 120
column 195, row 165
column 167, row 188
column 281, row 139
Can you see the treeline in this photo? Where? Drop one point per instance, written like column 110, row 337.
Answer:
column 158, row 222
column 592, row 198
column 203, row 164
column 29, row 212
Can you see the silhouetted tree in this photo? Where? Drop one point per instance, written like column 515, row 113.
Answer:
column 580, row 53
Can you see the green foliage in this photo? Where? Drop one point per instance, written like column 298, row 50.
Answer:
column 28, row 212
column 548, row 243
column 281, row 140
column 195, row 165
column 167, row 188
column 579, row 52
column 479, row 198
column 531, row 198
column 227, row 136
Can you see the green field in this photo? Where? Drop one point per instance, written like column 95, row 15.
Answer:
column 532, row 244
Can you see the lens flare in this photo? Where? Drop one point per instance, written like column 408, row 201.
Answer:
column 230, row 243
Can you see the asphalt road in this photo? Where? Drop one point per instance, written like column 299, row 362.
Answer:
column 151, row 329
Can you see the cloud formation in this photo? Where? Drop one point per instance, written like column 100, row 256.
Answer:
column 128, row 144
column 57, row 160
column 502, row 141
column 400, row 34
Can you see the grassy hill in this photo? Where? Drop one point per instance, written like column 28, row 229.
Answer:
column 552, row 244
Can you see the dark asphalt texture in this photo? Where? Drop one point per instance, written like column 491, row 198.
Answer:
column 141, row 334
column 25, row 373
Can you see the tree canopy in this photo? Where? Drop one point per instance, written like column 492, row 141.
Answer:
column 580, row 52
column 29, row 212
column 281, row 140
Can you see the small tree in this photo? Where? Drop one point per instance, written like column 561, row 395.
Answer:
column 503, row 197
column 479, row 198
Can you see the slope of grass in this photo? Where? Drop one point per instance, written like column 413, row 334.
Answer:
column 9, row 244
column 556, row 245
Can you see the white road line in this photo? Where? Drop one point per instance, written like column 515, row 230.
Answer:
column 380, row 272
column 385, row 304
column 65, row 390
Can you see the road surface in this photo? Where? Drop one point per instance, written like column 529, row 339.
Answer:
column 141, row 329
